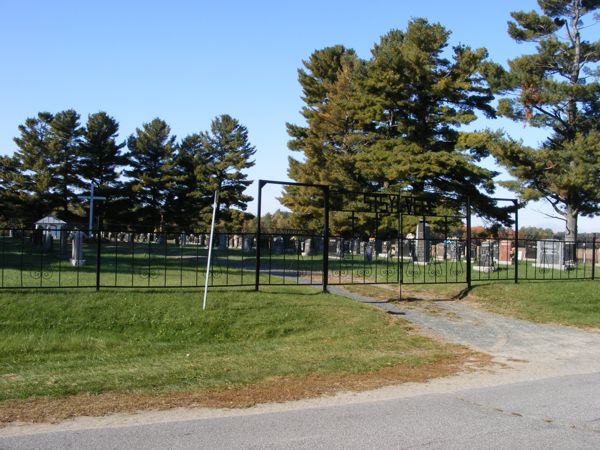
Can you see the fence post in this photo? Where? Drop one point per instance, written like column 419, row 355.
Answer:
column 516, row 241
column 98, row 254
column 468, row 255
column 261, row 183
column 325, row 237
column 594, row 256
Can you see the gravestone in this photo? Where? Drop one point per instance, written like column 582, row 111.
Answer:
column 182, row 240
column 485, row 257
column 247, row 243
column 368, row 249
column 339, row 248
column 455, row 250
column 277, row 245
column 550, row 255
column 422, row 246
column 48, row 243
column 308, row 247
column 77, row 249
column 222, row 241
column 505, row 253
column 355, row 246
column 440, row 251
column 385, row 249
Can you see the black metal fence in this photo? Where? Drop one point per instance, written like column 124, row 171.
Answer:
column 65, row 258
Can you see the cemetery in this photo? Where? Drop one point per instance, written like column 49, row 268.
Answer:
column 433, row 250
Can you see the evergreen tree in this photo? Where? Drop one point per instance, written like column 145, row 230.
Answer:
column 226, row 153
column 556, row 88
column 192, row 196
column 47, row 155
column 100, row 162
column 392, row 123
column 10, row 200
column 151, row 158
column 414, row 101
column 63, row 146
column 329, row 142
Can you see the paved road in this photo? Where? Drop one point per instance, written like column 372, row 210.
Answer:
column 559, row 412
column 544, row 392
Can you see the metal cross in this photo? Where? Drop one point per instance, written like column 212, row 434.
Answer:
column 91, row 199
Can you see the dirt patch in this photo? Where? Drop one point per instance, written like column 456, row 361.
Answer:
column 52, row 409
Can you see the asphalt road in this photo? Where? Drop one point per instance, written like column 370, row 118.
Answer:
column 558, row 412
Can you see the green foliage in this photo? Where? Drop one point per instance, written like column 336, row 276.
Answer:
column 164, row 183
column 100, row 162
column 151, row 158
column 227, row 152
column 48, row 149
column 557, row 88
column 209, row 161
column 392, row 123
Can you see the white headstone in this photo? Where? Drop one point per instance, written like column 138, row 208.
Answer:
column 77, row 249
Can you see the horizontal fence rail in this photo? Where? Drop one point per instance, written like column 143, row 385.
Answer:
column 67, row 258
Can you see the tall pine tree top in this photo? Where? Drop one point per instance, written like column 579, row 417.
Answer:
column 556, row 88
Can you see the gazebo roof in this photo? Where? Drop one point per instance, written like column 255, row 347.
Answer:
column 50, row 220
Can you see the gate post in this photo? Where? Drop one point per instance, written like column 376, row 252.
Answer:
column 594, row 256
column 261, row 183
column 98, row 258
column 325, row 237
column 516, row 241
column 468, row 255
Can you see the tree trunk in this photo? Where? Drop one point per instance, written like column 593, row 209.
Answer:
column 571, row 216
column 570, row 255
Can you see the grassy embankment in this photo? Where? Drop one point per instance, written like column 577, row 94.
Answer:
column 121, row 350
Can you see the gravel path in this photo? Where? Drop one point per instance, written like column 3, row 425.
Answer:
column 535, row 348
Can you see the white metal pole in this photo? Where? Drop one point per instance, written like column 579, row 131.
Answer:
column 210, row 247
column 91, row 209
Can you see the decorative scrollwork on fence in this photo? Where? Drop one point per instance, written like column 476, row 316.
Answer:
column 41, row 274
column 363, row 272
column 456, row 268
column 412, row 270
column 434, row 268
column 149, row 273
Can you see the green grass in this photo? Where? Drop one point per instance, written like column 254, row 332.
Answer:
column 575, row 303
column 57, row 343
column 168, row 265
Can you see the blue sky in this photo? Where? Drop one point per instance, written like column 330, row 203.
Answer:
column 187, row 62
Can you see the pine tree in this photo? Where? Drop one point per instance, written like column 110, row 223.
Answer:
column 11, row 202
column 192, row 197
column 556, row 88
column 151, row 158
column 226, row 152
column 392, row 123
column 414, row 101
column 100, row 162
column 329, row 141
column 34, row 166
column 63, row 146
column 47, row 155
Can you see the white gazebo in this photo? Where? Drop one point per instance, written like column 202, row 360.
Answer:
column 51, row 226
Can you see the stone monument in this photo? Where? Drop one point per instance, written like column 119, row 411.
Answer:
column 422, row 247
column 77, row 249
column 550, row 255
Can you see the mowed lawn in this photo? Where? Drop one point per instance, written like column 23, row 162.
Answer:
column 65, row 342
column 575, row 303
